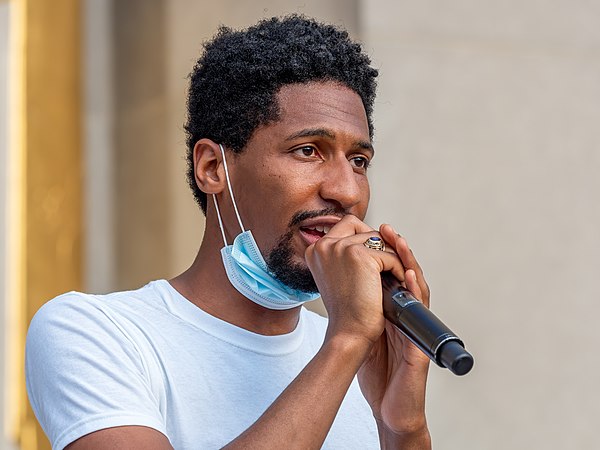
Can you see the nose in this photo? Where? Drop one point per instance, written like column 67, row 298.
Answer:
column 342, row 186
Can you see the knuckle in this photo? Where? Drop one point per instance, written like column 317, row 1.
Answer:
column 348, row 218
column 339, row 249
column 310, row 252
column 356, row 251
column 321, row 245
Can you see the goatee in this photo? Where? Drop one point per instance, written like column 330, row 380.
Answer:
column 293, row 275
column 280, row 259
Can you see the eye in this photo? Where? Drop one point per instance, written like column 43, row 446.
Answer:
column 307, row 151
column 360, row 162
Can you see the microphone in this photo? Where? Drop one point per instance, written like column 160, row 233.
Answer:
column 423, row 328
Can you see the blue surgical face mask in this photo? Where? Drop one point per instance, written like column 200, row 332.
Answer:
column 247, row 270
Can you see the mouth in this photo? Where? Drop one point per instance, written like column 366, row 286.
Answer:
column 314, row 229
column 318, row 231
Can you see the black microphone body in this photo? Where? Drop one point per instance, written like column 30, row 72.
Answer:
column 423, row 328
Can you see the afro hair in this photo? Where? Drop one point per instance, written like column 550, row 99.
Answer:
column 234, row 84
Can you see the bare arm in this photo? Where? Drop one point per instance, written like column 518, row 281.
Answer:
column 302, row 415
column 300, row 418
column 121, row 438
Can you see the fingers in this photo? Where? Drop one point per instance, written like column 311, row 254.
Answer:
column 397, row 258
column 348, row 226
column 412, row 284
column 352, row 228
column 409, row 262
column 339, row 247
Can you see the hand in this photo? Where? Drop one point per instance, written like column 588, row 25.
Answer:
column 348, row 277
column 394, row 374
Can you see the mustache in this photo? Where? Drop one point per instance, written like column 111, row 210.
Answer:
column 303, row 215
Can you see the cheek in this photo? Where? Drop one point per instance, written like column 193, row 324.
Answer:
column 366, row 197
column 289, row 185
column 265, row 199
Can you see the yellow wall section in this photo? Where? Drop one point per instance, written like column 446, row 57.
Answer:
column 48, row 147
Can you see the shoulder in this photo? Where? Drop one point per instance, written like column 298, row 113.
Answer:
column 85, row 368
column 63, row 314
column 75, row 324
column 75, row 309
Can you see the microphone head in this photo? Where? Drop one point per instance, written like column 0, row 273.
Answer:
column 454, row 357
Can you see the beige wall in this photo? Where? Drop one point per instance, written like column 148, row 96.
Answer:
column 488, row 155
column 487, row 152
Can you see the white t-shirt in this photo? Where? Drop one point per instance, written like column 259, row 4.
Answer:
column 150, row 357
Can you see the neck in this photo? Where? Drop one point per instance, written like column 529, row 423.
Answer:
column 206, row 285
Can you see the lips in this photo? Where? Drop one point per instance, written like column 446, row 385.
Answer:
column 310, row 235
column 321, row 230
column 314, row 229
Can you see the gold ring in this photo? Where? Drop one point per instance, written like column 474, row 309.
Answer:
column 375, row 242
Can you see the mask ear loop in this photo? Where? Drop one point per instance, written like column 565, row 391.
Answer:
column 220, row 221
column 232, row 199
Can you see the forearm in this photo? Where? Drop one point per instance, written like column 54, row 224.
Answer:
column 417, row 439
column 303, row 414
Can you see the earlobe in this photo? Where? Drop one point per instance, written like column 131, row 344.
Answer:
column 208, row 167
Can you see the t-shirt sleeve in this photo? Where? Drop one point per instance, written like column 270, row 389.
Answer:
column 84, row 373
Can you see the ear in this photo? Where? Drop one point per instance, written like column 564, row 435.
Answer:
column 208, row 167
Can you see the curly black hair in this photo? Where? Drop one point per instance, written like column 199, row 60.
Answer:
column 234, row 84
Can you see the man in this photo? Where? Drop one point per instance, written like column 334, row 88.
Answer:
column 279, row 144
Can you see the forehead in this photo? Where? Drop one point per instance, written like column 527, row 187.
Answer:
column 325, row 105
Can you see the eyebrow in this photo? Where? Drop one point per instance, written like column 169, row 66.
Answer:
column 322, row 132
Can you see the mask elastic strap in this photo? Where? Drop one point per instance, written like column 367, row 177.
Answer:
column 230, row 190
column 220, row 221
column 232, row 199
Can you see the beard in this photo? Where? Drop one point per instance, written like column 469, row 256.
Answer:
column 281, row 265
column 280, row 259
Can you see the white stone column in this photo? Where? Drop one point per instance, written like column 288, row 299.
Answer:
column 5, row 407
column 99, row 154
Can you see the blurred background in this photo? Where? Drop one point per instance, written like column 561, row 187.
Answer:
column 488, row 158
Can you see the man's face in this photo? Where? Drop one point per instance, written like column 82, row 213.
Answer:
column 297, row 177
